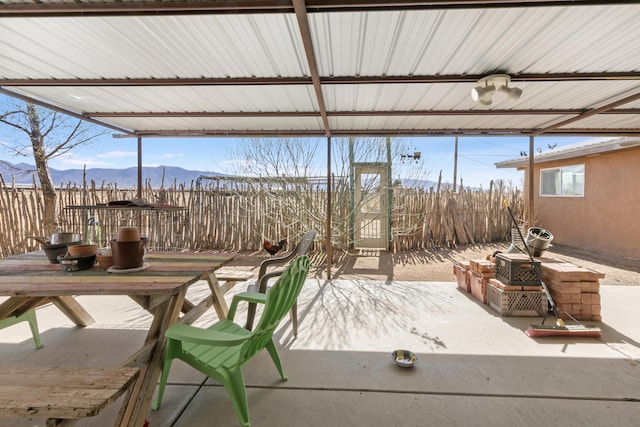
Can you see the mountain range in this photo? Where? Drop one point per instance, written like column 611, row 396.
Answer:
column 23, row 174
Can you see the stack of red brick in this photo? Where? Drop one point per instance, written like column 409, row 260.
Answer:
column 473, row 277
column 573, row 289
column 460, row 270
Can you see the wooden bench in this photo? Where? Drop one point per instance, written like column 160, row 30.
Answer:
column 61, row 393
column 232, row 277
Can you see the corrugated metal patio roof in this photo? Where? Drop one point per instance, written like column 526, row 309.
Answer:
column 325, row 68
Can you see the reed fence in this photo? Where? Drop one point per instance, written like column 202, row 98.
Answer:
column 212, row 217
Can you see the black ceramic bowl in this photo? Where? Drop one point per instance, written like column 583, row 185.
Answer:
column 76, row 264
column 54, row 251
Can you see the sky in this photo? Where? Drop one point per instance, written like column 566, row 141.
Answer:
column 476, row 155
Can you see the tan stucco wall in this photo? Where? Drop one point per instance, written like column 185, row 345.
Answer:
column 607, row 218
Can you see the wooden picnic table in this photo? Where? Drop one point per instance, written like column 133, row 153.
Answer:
column 29, row 280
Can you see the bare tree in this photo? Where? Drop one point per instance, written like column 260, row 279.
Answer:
column 285, row 174
column 49, row 134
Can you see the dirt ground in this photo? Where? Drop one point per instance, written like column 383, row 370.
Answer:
column 437, row 265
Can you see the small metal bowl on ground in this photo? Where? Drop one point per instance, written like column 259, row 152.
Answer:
column 69, row 263
column 404, row 358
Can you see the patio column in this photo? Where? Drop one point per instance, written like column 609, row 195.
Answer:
column 531, row 210
column 139, row 167
column 455, row 164
column 328, row 219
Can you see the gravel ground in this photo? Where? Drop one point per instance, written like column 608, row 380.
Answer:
column 437, row 265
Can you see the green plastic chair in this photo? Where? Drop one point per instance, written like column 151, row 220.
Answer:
column 221, row 350
column 28, row 316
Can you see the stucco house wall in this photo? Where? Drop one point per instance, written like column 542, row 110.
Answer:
column 607, row 218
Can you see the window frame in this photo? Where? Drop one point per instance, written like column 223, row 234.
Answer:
column 560, row 170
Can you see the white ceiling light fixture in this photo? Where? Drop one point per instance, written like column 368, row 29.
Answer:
column 483, row 94
column 486, row 86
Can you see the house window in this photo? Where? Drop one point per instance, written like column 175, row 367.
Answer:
column 565, row 181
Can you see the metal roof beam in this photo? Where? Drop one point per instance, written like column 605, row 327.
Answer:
column 587, row 114
column 267, row 81
column 139, row 8
column 493, row 132
column 64, row 111
column 307, row 41
column 386, row 113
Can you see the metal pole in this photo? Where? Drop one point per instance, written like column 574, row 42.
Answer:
column 389, row 195
column 139, row 167
column 139, row 192
column 352, row 198
column 328, row 219
column 531, row 210
column 455, row 165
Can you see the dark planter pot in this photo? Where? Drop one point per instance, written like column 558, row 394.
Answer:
column 128, row 254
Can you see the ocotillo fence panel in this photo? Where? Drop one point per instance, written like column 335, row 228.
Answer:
column 423, row 219
column 215, row 218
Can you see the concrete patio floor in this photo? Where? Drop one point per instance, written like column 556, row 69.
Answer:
column 475, row 367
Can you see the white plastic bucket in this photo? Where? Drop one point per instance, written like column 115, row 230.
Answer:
column 538, row 239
